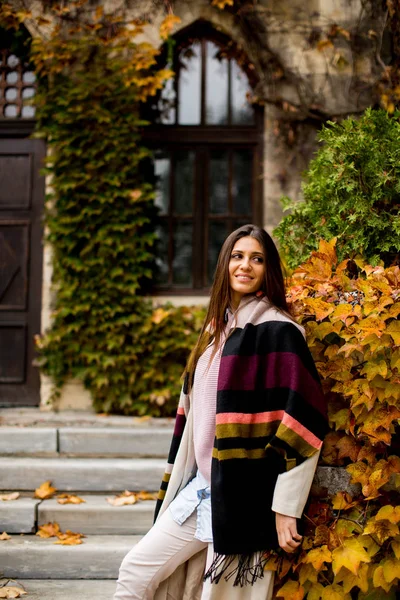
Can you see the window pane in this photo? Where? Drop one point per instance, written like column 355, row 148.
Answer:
column 182, row 262
column 242, row 110
column 184, row 182
column 218, row 182
column 217, row 234
column 242, row 181
column 162, row 168
column 216, row 86
column 166, row 104
column 161, row 275
column 189, row 85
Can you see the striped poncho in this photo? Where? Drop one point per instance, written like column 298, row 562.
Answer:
column 271, row 416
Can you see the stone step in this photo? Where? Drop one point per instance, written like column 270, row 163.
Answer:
column 31, row 557
column 116, row 441
column 24, row 440
column 86, row 441
column 97, row 516
column 82, row 474
column 18, row 516
column 68, row 589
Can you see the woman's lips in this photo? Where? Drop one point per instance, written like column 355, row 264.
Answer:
column 244, row 277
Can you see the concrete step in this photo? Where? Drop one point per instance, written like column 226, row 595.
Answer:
column 23, row 440
column 97, row 516
column 18, row 516
column 136, row 441
column 115, row 441
column 83, row 474
column 30, row 557
column 68, row 589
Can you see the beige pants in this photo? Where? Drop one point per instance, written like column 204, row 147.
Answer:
column 162, row 550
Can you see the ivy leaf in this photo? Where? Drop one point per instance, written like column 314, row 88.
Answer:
column 350, row 555
column 291, row 590
column 389, row 512
column 318, row 556
column 382, row 529
column 349, row 580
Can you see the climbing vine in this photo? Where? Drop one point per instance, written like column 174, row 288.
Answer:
column 351, row 547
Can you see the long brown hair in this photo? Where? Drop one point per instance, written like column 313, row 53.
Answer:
column 273, row 287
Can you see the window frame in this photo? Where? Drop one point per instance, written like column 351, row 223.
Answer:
column 202, row 139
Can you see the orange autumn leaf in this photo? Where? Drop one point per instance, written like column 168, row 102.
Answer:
column 222, row 3
column 143, row 495
column 124, row 499
column 4, row 536
column 349, row 555
column 48, row 530
column 291, row 590
column 69, row 538
column 45, row 491
column 69, row 499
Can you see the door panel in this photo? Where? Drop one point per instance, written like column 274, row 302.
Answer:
column 21, row 231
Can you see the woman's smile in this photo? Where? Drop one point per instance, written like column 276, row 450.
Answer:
column 246, row 269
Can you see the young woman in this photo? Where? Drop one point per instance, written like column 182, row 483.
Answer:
column 248, row 432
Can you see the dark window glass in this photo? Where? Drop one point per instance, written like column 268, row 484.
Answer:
column 242, row 175
column 182, row 260
column 162, row 262
column 162, row 171
column 218, row 182
column 184, row 182
column 217, row 234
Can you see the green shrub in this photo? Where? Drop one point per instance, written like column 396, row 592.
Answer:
column 351, row 192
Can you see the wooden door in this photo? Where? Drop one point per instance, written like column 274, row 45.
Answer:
column 21, row 231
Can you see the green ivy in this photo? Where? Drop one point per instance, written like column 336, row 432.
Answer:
column 351, row 192
column 101, row 219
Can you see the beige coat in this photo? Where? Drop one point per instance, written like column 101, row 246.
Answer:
column 186, row 582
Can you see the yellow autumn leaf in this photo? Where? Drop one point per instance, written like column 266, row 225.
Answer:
column 307, row 573
column 393, row 329
column 167, row 25
column 349, row 580
column 379, row 580
column 381, row 530
column 291, row 590
column 315, row 591
column 391, row 569
column 372, row 369
column 318, row 556
column 45, row 490
column 4, row 536
column 222, row 3
column 396, row 548
column 69, row 538
column 342, row 501
column 389, row 512
column 349, row 555
column 159, row 315
column 334, row 592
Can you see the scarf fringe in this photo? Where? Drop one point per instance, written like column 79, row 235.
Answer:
column 248, row 569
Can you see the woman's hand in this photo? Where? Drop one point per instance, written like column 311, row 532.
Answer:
column 286, row 528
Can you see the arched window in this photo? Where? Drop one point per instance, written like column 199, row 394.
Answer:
column 17, row 78
column 207, row 138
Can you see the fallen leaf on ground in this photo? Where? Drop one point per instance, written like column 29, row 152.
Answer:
column 146, row 495
column 123, row 499
column 7, row 497
column 69, row 538
column 48, row 530
column 45, row 491
column 69, row 499
column 11, row 591
column 4, row 536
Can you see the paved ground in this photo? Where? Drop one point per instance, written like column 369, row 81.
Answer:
column 68, row 590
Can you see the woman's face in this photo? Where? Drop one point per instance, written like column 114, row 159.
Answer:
column 246, row 268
